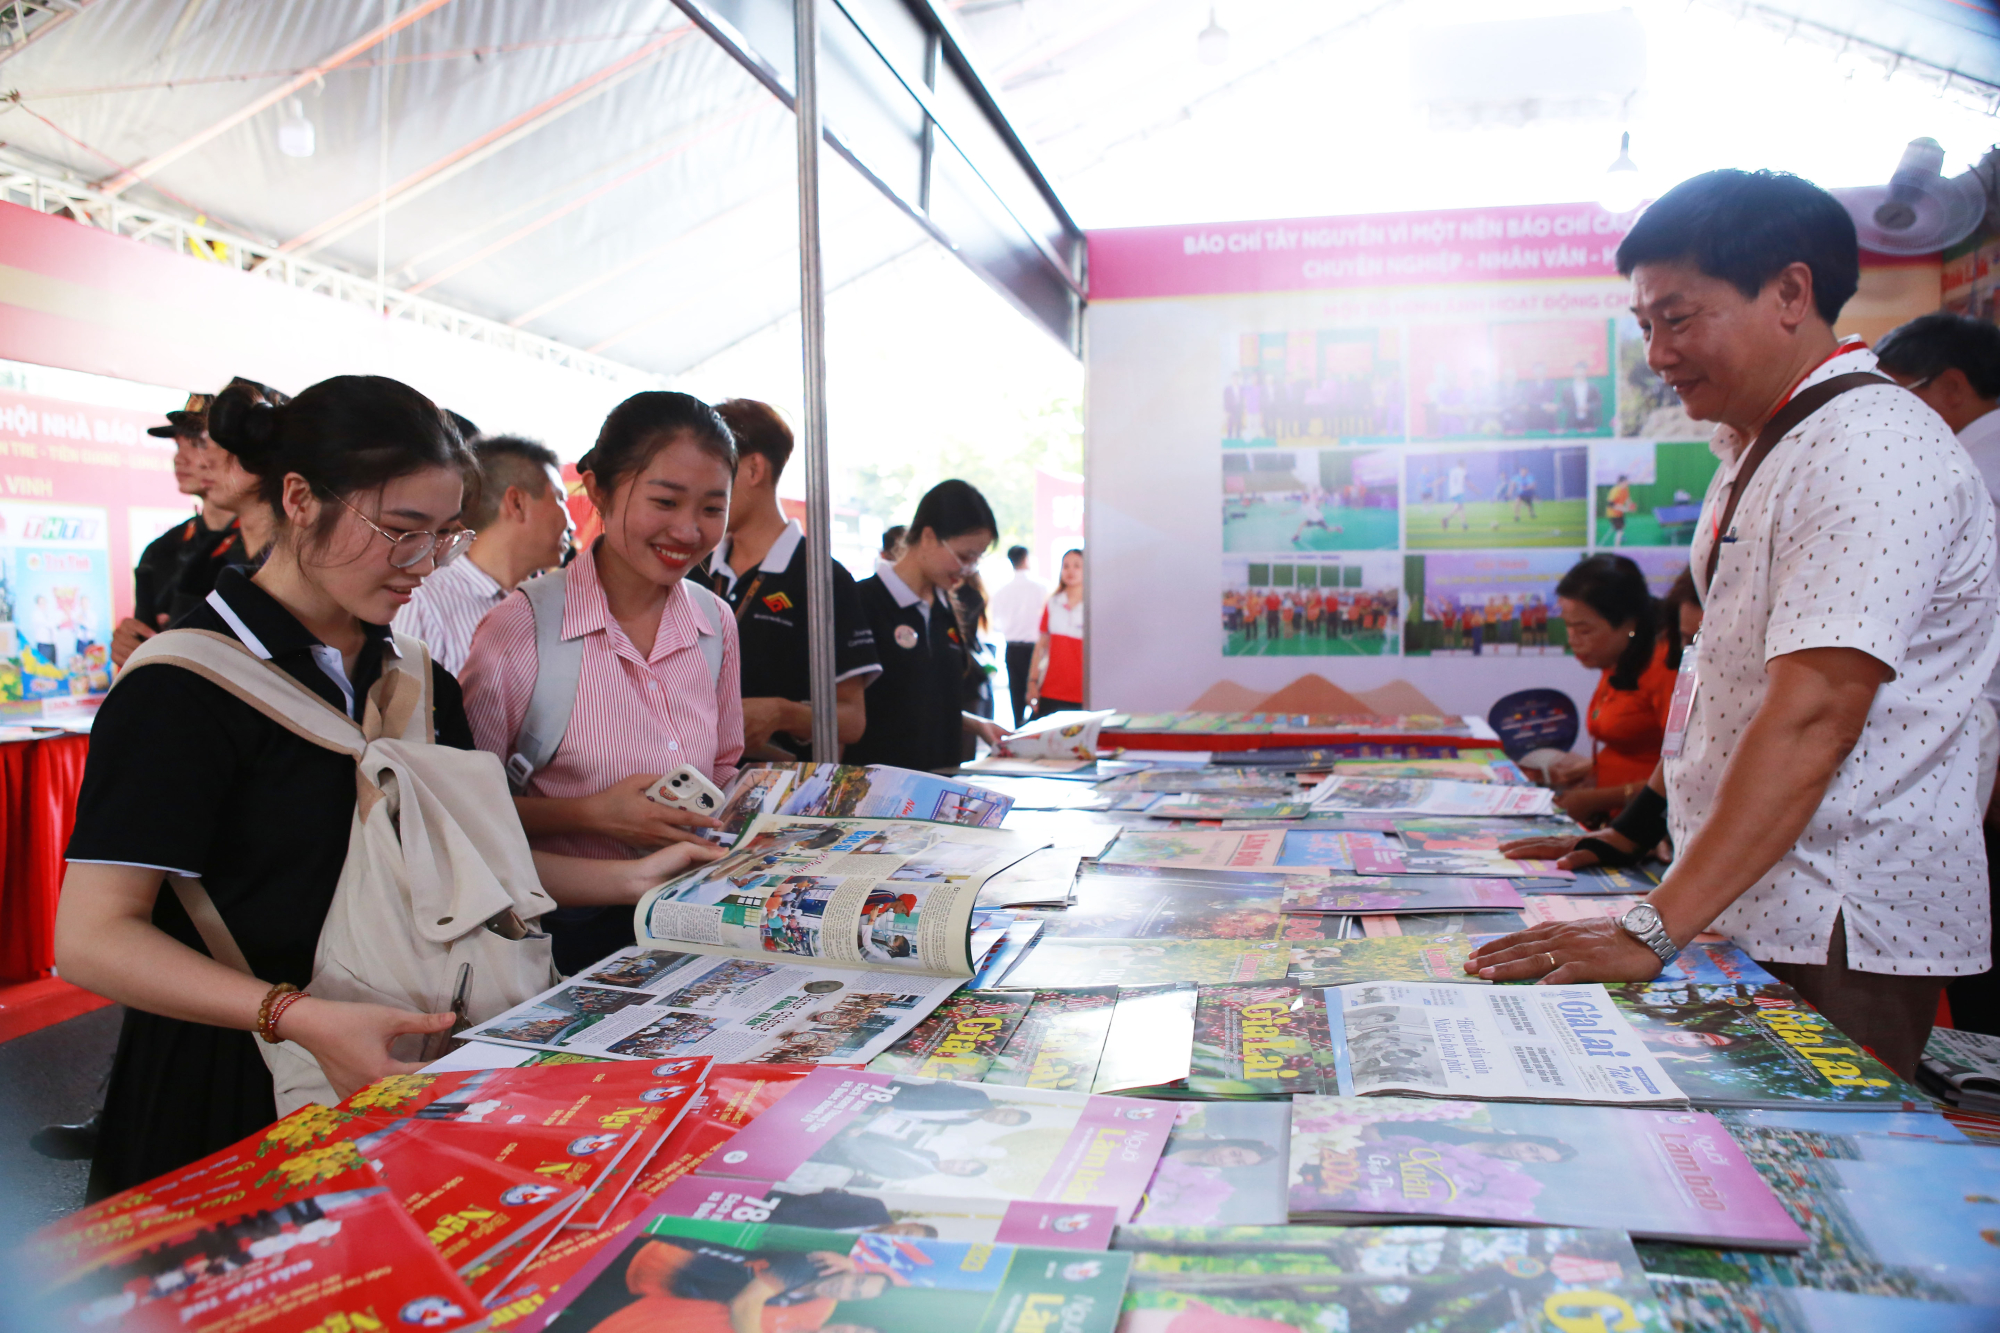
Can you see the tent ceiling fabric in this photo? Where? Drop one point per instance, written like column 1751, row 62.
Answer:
column 643, row 206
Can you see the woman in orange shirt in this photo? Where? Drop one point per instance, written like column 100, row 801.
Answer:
column 1613, row 624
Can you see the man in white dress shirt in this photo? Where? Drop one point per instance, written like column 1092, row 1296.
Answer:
column 520, row 510
column 1952, row 362
column 1823, row 796
column 1017, row 614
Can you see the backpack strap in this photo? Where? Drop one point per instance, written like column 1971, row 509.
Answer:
column 224, row 662
column 558, row 669
column 712, row 609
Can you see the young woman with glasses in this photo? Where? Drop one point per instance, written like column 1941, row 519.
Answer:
column 365, row 479
column 915, row 713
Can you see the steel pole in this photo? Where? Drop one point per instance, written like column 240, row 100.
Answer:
column 812, row 326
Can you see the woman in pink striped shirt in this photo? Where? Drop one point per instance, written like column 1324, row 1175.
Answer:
column 660, row 475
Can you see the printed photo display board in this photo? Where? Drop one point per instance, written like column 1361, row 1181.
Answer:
column 1368, row 448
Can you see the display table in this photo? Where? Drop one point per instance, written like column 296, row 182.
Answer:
column 1274, row 731
column 39, row 780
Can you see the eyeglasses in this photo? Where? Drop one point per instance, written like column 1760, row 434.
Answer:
column 408, row 550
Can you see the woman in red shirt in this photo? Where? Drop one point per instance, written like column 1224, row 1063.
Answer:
column 1055, row 677
column 1613, row 621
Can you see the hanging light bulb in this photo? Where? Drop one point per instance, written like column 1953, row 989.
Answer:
column 1623, row 188
column 1211, row 46
column 295, row 132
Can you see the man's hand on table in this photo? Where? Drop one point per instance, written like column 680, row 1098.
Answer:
column 1565, row 952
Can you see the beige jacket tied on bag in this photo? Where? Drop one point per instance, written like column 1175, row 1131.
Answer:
column 438, row 871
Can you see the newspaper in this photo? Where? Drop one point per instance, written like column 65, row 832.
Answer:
column 1427, row 796
column 845, row 893
column 1498, row 1043
column 648, row 1004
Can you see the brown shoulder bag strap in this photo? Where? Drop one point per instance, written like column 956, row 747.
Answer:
column 1802, row 405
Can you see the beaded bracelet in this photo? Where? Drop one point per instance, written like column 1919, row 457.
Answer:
column 281, row 997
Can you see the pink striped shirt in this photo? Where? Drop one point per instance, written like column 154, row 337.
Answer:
column 634, row 714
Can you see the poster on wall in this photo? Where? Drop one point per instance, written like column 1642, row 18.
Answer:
column 55, row 606
column 1380, row 442
column 83, row 488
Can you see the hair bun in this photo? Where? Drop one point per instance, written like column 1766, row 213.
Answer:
column 242, row 423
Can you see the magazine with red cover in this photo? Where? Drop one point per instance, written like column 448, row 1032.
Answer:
column 349, row 1258
column 731, row 1097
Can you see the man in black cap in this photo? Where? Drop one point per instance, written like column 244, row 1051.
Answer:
column 156, row 576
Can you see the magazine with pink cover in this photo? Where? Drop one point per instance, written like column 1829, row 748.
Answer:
column 897, row 1133
column 1663, row 1175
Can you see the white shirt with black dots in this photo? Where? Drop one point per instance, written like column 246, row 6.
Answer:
column 1867, row 527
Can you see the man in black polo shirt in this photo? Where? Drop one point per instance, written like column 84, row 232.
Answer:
column 158, row 570
column 760, row 570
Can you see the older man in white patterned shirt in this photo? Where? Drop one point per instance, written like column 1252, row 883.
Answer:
column 1823, row 798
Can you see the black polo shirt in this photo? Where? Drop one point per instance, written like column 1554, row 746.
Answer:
column 185, row 776
column 914, row 706
column 158, row 573
column 770, row 606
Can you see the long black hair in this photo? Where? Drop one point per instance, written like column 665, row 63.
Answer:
column 1615, row 588
column 344, row 435
column 646, row 423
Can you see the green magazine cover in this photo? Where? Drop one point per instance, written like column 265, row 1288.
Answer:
column 1750, row 1045
column 1385, row 1280
column 1259, row 1039
column 680, row 1275
column 1059, row 1042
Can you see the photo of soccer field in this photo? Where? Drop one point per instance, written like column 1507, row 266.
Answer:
column 1327, row 607
column 1497, row 499
column 1274, row 524
column 1276, row 500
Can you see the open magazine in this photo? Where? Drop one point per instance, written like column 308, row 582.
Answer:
column 873, row 791
column 1511, row 1043
column 845, row 893
column 652, row 1004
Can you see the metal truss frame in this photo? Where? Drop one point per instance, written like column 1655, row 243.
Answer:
column 24, row 185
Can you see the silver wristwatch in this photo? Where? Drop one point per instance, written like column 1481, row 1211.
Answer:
column 1643, row 924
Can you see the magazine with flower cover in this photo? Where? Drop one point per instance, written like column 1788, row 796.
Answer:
column 1397, row 1279
column 679, row 1275
column 841, row 893
column 1059, row 1042
column 1668, row 1175
column 961, row 1039
column 1758, row 1046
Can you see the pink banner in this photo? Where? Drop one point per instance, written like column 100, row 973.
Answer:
column 1378, row 250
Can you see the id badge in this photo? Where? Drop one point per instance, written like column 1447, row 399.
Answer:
column 1686, row 681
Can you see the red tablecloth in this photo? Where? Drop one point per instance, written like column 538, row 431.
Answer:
column 38, row 786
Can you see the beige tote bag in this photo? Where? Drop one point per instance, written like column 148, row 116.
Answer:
column 438, row 872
